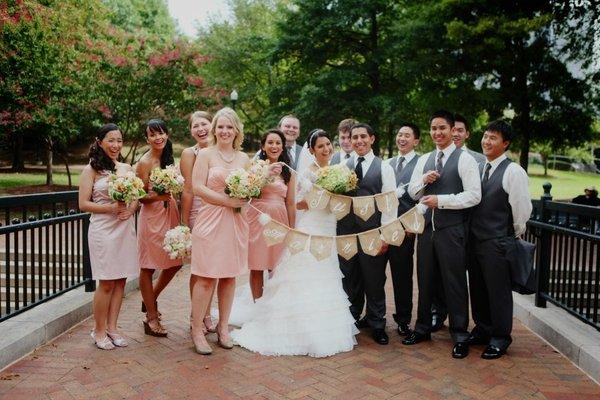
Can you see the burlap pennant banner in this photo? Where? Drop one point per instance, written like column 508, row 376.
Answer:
column 346, row 246
column 413, row 221
column 370, row 242
column 274, row 233
column 320, row 246
column 364, row 207
column 296, row 241
column 340, row 206
column 386, row 202
column 317, row 198
column 393, row 233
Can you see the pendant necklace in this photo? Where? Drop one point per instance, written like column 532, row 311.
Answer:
column 225, row 159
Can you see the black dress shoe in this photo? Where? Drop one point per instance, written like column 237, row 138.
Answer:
column 416, row 337
column 403, row 329
column 460, row 350
column 380, row 336
column 362, row 323
column 492, row 352
column 437, row 322
column 477, row 340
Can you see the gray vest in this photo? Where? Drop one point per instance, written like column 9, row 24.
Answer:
column 449, row 182
column 370, row 184
column 335, row 159
column 492, row 217
column 406, row 202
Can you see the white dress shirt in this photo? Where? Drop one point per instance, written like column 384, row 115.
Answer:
column 515, row 182
column 468, row 171
column 401, row 189
column 388, row 180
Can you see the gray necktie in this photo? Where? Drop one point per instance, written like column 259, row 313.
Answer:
column 486, row 174
column 438, row 165
column 400, row 164
column 290, row 151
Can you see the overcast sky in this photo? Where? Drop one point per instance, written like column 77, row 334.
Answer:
column 190, row 13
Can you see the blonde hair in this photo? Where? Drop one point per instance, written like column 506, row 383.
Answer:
column 237, row 126
column 200, row 114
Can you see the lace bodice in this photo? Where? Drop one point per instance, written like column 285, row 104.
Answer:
column 314, row 222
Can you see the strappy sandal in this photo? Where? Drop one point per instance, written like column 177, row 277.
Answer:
column 158, row 331
column 117, row 339
column 103, row 344
column 144, row 310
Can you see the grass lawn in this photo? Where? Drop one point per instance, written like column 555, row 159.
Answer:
column 9, row 179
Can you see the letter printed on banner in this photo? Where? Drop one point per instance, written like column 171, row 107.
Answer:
column 370, row 242
column 320, row 246
column 393, row 233
column 274, row 233
column 317, row 198
column 296, row 241
column 340, row 206
column 364, row 207
column 413, row 221
column 386, row 202
column 346, row 246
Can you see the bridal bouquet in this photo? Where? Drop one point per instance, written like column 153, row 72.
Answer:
column 247, row 184
column 168, row 180
column 178, row 242
column 337, row 179
column 127, row 188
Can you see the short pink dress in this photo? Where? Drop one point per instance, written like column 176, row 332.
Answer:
column 271, row 202
column 112, row 242
column 220, row 235
column 154, row 221
column 196, row 202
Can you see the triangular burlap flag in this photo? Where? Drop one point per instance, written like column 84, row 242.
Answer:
column 346, row 246
column 274, row 233
column 393, row 233
column 364, row 207
column 296, row 241
column 320, row 246
column 340, row 205
column 413, row 221
column 317, row 198
column 370, row 242
column 386, row 202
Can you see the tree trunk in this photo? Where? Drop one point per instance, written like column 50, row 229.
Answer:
column 391, row 141
column 132, row 150
column 49, row 155
column 18, row 163
column 65, row 158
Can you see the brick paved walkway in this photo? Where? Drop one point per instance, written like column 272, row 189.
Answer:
column 153, row 368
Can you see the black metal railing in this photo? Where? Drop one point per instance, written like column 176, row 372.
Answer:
column 43, row 250
column 567, row 256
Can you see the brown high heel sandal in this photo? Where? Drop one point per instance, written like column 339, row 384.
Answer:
column 159, row 331
column 144, row 310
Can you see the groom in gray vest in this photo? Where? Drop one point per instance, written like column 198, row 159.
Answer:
column 364, row 275
column 446, row 181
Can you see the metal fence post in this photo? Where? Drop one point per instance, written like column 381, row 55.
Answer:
column 543, row 253
column 90, row 284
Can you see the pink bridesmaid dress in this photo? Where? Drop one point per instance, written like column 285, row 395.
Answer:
column 196, row 202
column 153, row 223
column 221, row 234
column 112, row 242
column 271, row 202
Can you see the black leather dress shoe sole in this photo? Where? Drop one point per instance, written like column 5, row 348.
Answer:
column 460, row 350
column 492, row 353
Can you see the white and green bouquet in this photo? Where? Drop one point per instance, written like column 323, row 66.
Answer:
column 247, row 184
column 337, row 179
column 168, row 180
column 126, row 188
column 178, row 242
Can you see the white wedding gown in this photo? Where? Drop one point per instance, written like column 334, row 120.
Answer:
column 304, row 309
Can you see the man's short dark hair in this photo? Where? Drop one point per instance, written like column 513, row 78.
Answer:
column 501, row 127
column 460, row 118
column 370, row 130
column 445, row 114
column 414, row 128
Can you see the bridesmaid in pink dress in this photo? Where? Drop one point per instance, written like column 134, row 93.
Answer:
column 220, row 235
column 278, row 200
column 111, row 235
column 159, row 213
column 190, row 204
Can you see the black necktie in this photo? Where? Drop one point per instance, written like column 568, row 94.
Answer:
column 347, row 156
column 438, row 165
column 400, row 164
column 358, row 169
column 486, row 173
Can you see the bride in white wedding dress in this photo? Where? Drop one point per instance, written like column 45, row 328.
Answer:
column 304, row 309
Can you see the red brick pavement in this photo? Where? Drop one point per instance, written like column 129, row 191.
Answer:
column 167, row 368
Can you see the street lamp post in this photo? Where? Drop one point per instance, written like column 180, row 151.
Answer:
column 233, row 96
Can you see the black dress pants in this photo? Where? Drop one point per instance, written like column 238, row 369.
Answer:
column 401, row 267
